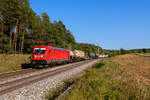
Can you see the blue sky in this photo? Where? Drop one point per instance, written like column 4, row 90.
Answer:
column 113, row 24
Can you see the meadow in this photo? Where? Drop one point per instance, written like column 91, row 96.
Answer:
column 124, row 77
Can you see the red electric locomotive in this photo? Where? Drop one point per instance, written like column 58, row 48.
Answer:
column 47, row 55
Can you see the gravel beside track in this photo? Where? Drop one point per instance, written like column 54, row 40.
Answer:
column 35, row 86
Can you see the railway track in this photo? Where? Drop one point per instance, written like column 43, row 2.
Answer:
column 16, row 73
column 22, row 72
column 16, row 84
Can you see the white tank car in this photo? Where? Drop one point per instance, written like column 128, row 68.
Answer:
column 79, row 54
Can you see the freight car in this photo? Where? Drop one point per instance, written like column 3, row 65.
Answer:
column 48, row 55
column 79, row 55
column 93, row 55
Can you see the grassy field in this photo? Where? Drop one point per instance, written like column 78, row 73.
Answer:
column 120, row 78
column 12, row 62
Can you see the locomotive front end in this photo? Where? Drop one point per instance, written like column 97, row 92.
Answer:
column 39, row 56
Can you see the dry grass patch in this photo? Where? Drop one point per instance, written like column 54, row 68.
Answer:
column 138, row 66
column 146, row 53
column 11, row 62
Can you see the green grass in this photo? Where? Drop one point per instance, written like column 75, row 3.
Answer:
column 107, row 81
column 13, row 62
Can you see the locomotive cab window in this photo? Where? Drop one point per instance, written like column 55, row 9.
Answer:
column 39, row 50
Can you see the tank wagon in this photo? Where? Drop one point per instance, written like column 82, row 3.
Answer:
column 43, row 56
column 79, row 55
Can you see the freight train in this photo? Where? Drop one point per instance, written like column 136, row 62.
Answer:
column 43, row 56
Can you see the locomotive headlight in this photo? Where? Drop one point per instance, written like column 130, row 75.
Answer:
column 43, row 56
column 34, row 56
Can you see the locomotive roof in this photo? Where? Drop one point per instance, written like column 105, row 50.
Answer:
column 56, row 48
column 42, row 46
column 59, row 49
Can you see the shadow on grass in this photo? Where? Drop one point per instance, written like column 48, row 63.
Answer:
column 98, row 65
column 26, row 66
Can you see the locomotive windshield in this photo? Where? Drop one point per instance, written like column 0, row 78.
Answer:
column 39, row 50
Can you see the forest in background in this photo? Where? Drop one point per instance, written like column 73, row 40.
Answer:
column 21, row 29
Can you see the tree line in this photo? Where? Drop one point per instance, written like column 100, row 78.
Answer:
column 21, row 29
column 124, row 51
